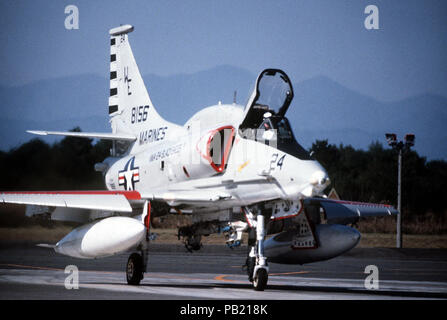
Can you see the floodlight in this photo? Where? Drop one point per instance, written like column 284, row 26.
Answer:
column 391, row 138
column 409, row 139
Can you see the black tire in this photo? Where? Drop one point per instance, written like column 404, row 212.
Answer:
column 260, row 279
column 134, row 269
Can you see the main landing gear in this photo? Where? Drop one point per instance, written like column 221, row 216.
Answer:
column 137, row 265
column 137, row 262
column 134, row 269
column 256, row 263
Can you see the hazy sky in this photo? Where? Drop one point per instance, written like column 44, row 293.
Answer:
column 405, row 57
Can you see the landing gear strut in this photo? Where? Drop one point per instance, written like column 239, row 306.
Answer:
column 137, row 265
column 137, row 262
column 256, row 263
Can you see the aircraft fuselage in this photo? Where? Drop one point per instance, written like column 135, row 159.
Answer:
column 253, row 170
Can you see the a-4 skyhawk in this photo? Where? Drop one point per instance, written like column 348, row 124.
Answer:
column 236, row 169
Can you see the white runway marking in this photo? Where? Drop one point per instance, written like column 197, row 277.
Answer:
column 228, row 286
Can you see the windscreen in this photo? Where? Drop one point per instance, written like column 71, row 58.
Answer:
column 274, row 92
column 265, row 119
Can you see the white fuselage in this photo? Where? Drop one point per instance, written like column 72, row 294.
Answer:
column 254, row 171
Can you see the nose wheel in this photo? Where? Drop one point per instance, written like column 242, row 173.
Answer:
column 256, row 263
column 260, row 279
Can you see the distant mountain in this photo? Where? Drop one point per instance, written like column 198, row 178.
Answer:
column 56, row 99
column 179, row 97
column 54, row 104
column 325, row 109
column 321, row 109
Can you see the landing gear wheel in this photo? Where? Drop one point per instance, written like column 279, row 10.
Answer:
column 134, row 269
column 260, row 279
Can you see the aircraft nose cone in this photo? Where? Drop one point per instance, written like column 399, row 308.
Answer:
column 320, row 179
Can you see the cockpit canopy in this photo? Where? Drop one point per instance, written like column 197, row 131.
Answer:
column 273, row 94
column 264, row 115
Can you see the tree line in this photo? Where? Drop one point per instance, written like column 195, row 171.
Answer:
column 64, row 165
column 371, row 176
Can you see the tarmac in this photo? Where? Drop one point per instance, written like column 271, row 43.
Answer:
column 28, row 272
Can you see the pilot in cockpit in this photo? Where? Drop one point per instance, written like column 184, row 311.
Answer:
column 266, row 127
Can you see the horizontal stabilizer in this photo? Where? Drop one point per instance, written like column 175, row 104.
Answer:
column 98, row 135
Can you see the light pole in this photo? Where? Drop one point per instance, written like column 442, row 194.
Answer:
column 400, row 147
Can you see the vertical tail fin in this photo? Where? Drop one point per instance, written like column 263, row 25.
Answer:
column 130, row 107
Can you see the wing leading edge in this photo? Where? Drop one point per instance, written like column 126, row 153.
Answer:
column 119, row 201
column 93, row 200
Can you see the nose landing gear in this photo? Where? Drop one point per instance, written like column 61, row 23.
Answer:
column 256, row 263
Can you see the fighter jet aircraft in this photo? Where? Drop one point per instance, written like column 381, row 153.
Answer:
column 235, row 169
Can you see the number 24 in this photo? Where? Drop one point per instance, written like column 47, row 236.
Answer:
column 278, row 163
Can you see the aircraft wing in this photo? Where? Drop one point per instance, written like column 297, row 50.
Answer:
column 94, row 200
column 118, row 201
column 340, row 211
column 98, row 135
column 187, row 197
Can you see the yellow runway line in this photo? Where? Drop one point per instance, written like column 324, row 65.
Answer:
column 222, row 278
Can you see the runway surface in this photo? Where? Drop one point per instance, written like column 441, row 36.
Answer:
column 30, row 272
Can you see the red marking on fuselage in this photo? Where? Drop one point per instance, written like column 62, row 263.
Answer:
column 227, row 149
column 147, row 218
